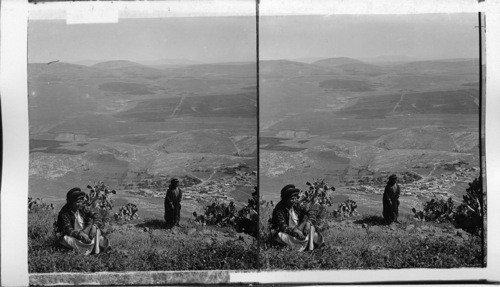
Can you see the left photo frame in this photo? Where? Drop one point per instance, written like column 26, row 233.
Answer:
column 142, row 143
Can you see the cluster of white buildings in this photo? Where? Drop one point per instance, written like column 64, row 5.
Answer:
column 439, row 185
column 220, row 188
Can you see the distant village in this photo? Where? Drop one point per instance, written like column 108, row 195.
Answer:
column 228, row 180
column 438, row 185
column 231, row 178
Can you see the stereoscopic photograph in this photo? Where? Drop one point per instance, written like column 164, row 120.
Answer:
column 143, row 145
column 246, row 143
column 370, row 142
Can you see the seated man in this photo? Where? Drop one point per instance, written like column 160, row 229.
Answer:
column 78, row 226
column 293, row 225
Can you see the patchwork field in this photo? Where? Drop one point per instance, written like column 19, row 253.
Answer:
column 354, row 124
column 135, row 127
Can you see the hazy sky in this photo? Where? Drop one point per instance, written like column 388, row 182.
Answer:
column 228, row 39
column 205, row 39
column 428, row 36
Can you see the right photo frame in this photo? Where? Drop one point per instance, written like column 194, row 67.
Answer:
column 371, row 135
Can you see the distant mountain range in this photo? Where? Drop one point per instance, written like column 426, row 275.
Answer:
column 308, row 60
column 319, row 61
column 160, row 63
column 342, row 65
column 332, row 66
column 350, row 65
column 378, row 59
column 170, row 62
column 116, row 64
column 333, row 62
column 390, row 59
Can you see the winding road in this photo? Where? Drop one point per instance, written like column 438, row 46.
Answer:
column 399, row 102
column 178, row 106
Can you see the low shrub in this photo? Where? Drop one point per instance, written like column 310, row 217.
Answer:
column 319, row 192
column 317, row 199
column 248, row 217
column 436, row 210
column 468, row 215
column 127, row 213
column 218, row 213
column 346, row 209
column 222, row 214
column 37, row 204
column 99, row 197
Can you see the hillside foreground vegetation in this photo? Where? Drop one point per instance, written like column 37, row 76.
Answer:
column 430, row 238
column 224, row 238
column 142, row 244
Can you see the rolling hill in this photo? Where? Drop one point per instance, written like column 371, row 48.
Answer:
column 430, row 138
column 453, row 66
column 355, row 122
column 205, row 141
column 286, row 68
column 338, row 61
column 237, row 69
column 61, row 71
column 126, row 124
column 117, row 64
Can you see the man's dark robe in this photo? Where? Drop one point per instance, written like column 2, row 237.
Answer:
column 284, row 234
column 66, row 220
column 391, row 202
column 280, row 217
column 173, row 206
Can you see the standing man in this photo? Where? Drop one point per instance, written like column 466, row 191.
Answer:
column 391, row 200
column 173, row 204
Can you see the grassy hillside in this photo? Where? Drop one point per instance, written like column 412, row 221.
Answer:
column 352, row 241
column 142, row 245
column 366, row 242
